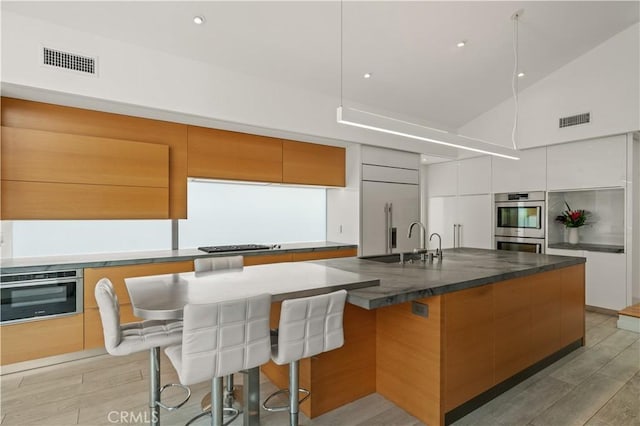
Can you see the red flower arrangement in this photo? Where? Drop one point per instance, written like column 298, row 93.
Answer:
column 572, row 218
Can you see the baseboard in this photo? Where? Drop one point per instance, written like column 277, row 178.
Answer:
column 49, row 361
column 598, row 310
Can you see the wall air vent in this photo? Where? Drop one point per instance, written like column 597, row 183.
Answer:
column 575, row 120
column 70, row 61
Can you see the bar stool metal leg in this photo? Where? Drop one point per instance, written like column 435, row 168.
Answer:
column 294, row 384
column 217, row 408
column 154, row 386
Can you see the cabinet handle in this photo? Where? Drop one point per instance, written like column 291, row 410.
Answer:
column 454, row 236
column 386, row 228
column 459, row 232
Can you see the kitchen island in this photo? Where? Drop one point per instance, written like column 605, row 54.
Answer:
column 439, row 339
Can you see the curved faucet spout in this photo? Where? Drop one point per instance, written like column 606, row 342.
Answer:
column 423, row 242
column 439, row 250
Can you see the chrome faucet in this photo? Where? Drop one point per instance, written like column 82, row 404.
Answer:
column 439, row 249
column 423, row 241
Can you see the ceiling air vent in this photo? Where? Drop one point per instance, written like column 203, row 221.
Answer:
column 575, row 120
column 69, row 61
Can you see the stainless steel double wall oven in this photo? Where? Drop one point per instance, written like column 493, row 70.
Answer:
column 520, row 221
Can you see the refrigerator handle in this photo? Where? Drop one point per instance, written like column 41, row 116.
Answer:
column 386, row 228
column 454, row 236
column 459, row 232
column 390, row 228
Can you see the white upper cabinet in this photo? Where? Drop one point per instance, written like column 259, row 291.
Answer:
column 474, row 176
column 595, row 163
column 442, row 179
column 390, row 158
column 529, row 173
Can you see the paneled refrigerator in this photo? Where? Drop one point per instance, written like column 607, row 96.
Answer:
column 387, row 210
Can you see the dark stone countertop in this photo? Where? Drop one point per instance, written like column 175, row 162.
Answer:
column 99, row 260
column 460, row 269
column 605, row 248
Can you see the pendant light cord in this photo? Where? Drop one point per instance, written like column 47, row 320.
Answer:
column 341, row 50
column 514, row 81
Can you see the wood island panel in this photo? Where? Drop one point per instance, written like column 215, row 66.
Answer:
column 220, row 154
column 77, row 121
column 39, row 339
column 347, row 373
column 468, row 344
column 546, row 305
column 512, row 316
column 409, row 357
column 312, row 164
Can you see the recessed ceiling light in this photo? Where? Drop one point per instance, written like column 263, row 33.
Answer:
column 367, row 75
column 520, row 74
column 461, row 44
column 198, row 20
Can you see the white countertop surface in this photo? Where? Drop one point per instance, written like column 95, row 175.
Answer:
column 164, row 296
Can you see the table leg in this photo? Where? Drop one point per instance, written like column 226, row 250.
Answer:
column 251, row 397
column 154, row 386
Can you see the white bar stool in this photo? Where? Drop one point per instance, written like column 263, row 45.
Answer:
column 308, row 326
column 213, row 264
column 135, row 337
column 220, row 339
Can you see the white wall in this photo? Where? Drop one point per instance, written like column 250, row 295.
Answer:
column 604, row 81
column 343, row 204
column 192, row 91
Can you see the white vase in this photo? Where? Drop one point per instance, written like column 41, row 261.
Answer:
column 573, row 235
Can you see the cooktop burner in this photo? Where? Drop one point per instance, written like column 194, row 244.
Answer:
column 239, row 247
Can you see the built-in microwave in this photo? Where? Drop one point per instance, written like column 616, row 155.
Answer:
column 520, row 214
column 39, row 295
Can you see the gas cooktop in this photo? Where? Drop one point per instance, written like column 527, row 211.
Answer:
column 239, row 247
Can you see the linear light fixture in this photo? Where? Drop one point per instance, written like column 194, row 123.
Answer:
column 380, row 123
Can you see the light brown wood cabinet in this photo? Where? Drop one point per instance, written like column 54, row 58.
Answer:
column 48, row 175
column 219, row 154
column 323, row 254
column 74, row 125
column 312, row 164
column 40, row 339
column 93, row 337
column 494, row 331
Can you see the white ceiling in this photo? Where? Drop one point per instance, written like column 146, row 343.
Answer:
column 409, row 47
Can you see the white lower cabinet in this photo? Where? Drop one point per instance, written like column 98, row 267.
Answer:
column 606, row 280
column 463, row 221
column 441, row 217
column 605, row 277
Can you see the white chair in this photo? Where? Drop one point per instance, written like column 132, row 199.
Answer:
column 208, row 264
column 308, row 326
column 218, row 264
column 134, row 337
column 220, row 339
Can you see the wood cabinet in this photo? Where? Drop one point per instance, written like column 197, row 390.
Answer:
column 312, row 164
column 263, row 259
column 93, row 337
column 39, row 339
column 495, row 331
column 76, row 123
column 468, row 344
column 323, row 254
column 408, row 352
column 220, row 154
column 48, row 175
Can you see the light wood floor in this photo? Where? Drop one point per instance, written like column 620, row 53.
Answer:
column 598, row 384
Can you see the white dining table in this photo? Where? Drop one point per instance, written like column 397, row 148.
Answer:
column 165, row 296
